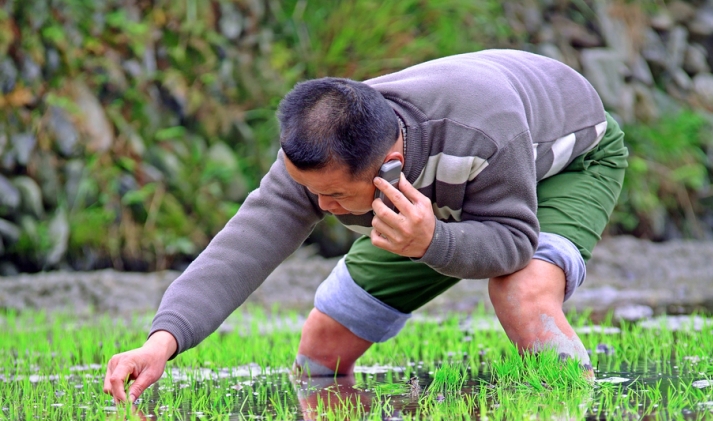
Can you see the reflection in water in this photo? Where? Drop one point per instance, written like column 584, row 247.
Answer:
column 338, row 395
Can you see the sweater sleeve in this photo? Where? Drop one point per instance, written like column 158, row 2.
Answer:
column 272, row 223
column 498, row 231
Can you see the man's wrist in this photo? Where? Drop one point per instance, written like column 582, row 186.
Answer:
column 163, row 339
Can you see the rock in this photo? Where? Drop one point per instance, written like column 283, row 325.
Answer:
column 9, row 194
column 47, row 178
column 136, row 142
column 8, row 75
column 550, row 50
column 133, row 68
column 627, row 102
column 40, row 13
column 31, row 72
column 8, row 269
column 31, row 195
column 661, row 21
column 575, row 34
column 676, row 47
column 65, row 134
column 703, row 88
column 127, row 183
column 149, row 174
column 22, row 145
column 640, row 71
column 94, row 121
column 702, row 24
column 617, row 35
column 681, row 79
column 231, row 21
column 73, row 174
column 223, row 156
column 3, row 141
column 150, row 59
column 174, row 94
column 633, row 312
column 167, row 162
column 665, row 104
column 645, row 109
column 681, row 12
column 654, row 50
column 604, row 68
column 115, row 74
column 52, row 61
column 570, row 56
column 237, row 189
column 696, row 59
column 9, row 231
column 59, row 237
column 546, row 34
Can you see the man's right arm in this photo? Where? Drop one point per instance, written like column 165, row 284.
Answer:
column 271, row 224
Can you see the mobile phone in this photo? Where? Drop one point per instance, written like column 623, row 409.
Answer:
column 391, row 172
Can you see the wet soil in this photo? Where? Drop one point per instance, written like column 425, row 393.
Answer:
column 633, row 278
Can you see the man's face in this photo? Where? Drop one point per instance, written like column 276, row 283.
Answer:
column 337, row 191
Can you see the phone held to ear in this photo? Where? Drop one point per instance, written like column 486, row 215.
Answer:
column 391, row 172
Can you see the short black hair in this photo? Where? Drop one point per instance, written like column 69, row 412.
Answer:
column 335, row 120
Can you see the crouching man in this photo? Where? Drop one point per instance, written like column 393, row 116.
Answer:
column 511, row 169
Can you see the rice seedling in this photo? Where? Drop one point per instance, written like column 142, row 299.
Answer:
column 457, row 367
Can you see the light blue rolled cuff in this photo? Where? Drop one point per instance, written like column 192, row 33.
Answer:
column 342, row 299
column 558, row 250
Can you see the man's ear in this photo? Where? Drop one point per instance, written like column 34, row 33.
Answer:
column 394, row 155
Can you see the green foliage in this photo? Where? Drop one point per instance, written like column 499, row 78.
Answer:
column 539, row 372
column 384, row 36
column 668, row 171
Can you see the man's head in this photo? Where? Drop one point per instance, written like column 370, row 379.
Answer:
column 337, row 121
column 335, row 134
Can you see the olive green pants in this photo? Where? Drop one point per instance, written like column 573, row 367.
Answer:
column 575, row 203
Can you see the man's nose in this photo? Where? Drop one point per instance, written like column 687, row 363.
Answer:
column 325, row 202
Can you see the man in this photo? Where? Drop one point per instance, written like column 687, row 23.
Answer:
column 511, row 168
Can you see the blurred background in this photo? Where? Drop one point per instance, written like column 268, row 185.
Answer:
column 132, row 130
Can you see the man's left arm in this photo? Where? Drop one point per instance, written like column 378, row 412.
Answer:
column 497, row 234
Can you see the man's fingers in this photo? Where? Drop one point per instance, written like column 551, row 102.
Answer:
column 116, row 381
column 410, row 192
column 392, row 193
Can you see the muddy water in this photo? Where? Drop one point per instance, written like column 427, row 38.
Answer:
column 242, row 393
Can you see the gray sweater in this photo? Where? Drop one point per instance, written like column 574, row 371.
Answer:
column 481, row 130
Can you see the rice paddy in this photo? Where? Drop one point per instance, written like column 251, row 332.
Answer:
column 439, row 368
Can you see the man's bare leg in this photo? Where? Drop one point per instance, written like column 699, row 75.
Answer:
column 327, row 347
column 528, row 304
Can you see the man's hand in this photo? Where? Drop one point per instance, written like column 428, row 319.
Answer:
column 408, row 233
column 144, row 365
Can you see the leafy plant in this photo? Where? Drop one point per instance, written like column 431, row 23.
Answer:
column 668, row 172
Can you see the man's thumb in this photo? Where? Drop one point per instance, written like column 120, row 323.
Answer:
column 138, row 387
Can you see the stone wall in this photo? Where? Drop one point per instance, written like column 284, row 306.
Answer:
column 130, row 133
column 643, row 64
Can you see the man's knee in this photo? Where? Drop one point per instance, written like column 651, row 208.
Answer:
column 328, row 347
column 539, row 282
